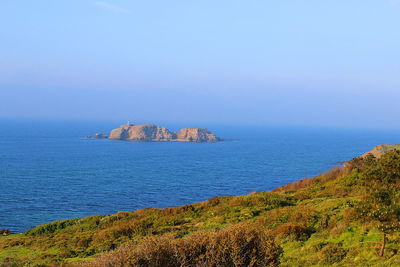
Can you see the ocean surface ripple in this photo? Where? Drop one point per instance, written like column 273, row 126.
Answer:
column 49, row 172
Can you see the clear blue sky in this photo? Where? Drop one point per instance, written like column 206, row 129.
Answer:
column 314, row 62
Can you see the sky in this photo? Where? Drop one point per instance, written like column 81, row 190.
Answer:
column 286, row 62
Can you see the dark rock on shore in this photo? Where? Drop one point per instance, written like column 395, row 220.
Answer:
column 5, row 232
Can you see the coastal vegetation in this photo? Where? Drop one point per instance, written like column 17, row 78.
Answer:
column 348, row 216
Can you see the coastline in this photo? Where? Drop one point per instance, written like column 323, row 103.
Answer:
column 300, row 183
column 306, row 212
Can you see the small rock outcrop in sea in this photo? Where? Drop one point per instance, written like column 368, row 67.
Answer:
column 97, row 136
column 378, row 151
column 155, row 133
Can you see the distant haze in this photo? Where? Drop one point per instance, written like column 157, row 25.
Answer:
column 333, row 63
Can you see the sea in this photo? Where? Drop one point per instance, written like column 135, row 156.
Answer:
column 49, row 172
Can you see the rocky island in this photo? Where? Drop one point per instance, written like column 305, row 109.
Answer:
column 155, row 133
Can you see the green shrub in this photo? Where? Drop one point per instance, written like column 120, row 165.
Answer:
column 51, row 227
column 293, row 231
column 332, row 253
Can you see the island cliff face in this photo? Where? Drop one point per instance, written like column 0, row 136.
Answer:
column 155, row 133
column 196, row 135
column 144, row 132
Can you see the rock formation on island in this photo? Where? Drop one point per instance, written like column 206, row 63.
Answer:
column 144, row 132
column 155, row 133
column 378, row 151
column 196, row 135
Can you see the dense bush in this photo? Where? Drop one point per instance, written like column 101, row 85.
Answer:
column 238, row 245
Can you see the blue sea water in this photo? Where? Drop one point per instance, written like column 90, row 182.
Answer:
column 49, row 172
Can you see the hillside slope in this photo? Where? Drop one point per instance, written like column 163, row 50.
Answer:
column 313, row 222
column 380, row 150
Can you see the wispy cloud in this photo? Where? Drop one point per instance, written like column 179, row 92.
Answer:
column 112, row 7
